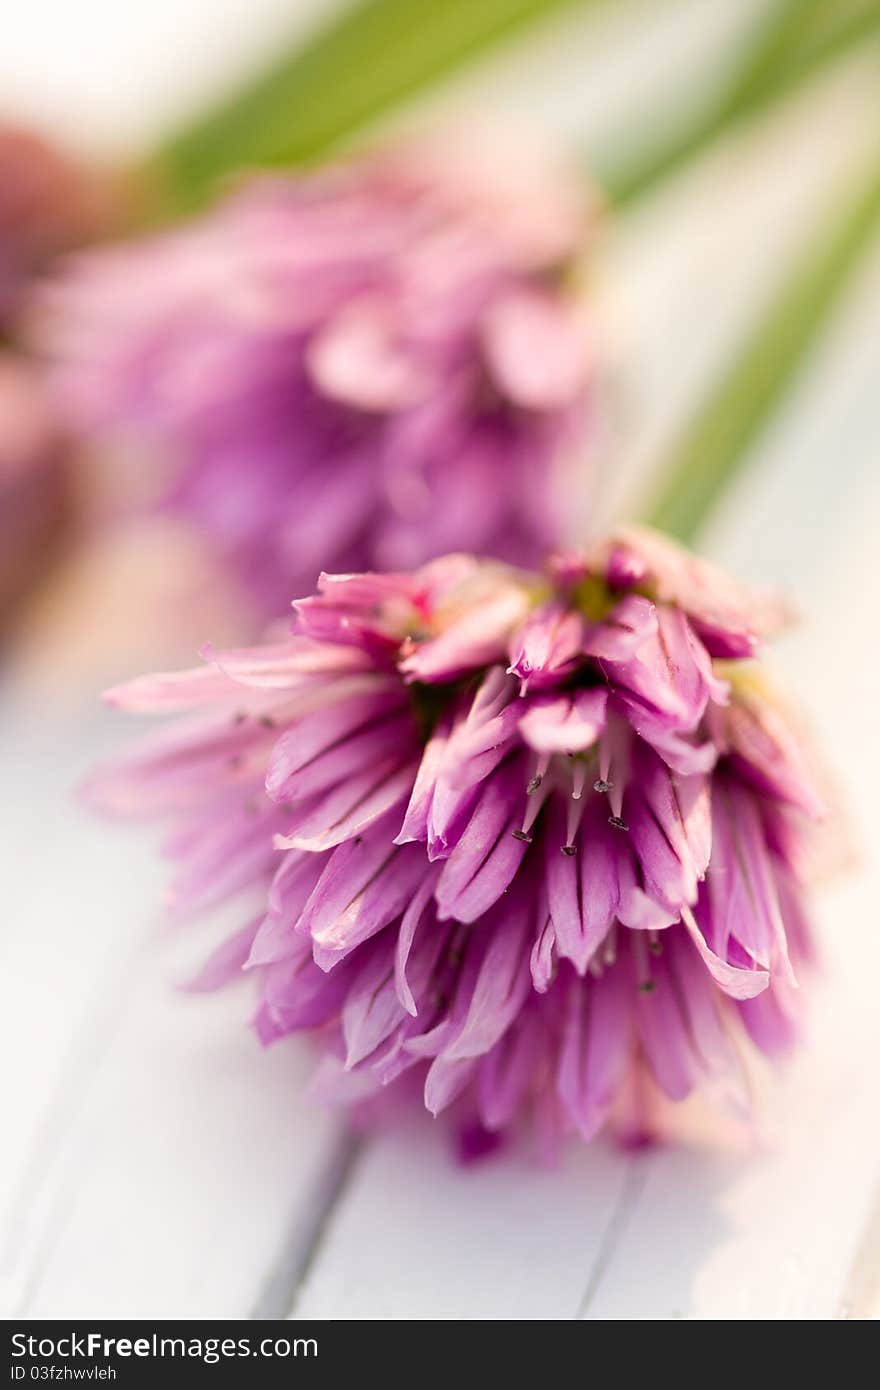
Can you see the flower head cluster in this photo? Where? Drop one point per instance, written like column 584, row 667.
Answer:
column 524, row 837
column 358, row 368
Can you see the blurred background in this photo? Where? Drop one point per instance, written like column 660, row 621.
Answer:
column 156, row 1162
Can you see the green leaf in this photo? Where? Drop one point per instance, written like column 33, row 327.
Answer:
column 367, row 60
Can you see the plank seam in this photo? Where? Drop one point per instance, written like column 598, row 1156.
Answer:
column 284, row 1283
column 621, row 1214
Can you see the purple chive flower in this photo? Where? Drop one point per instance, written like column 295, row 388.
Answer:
column 529, row 844
column 359, row 368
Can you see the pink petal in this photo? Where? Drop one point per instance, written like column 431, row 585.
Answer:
column 538, row 350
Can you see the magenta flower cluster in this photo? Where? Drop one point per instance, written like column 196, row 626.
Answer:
column 363, row 367
column 526, row 840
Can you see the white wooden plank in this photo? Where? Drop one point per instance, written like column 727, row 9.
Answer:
column 74, row 903
column 156, row 1162
column 189, row 1167
column 420, row 1237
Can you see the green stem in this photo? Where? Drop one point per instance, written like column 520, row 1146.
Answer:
column 364, row 62
column 791, row 47
column 715, row 446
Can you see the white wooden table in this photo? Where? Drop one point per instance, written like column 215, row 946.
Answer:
column 157, row 1163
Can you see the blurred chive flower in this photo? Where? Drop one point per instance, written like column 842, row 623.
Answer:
column 530, row 844
column 48, row 204
column 360, row 367
column 34, row 491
